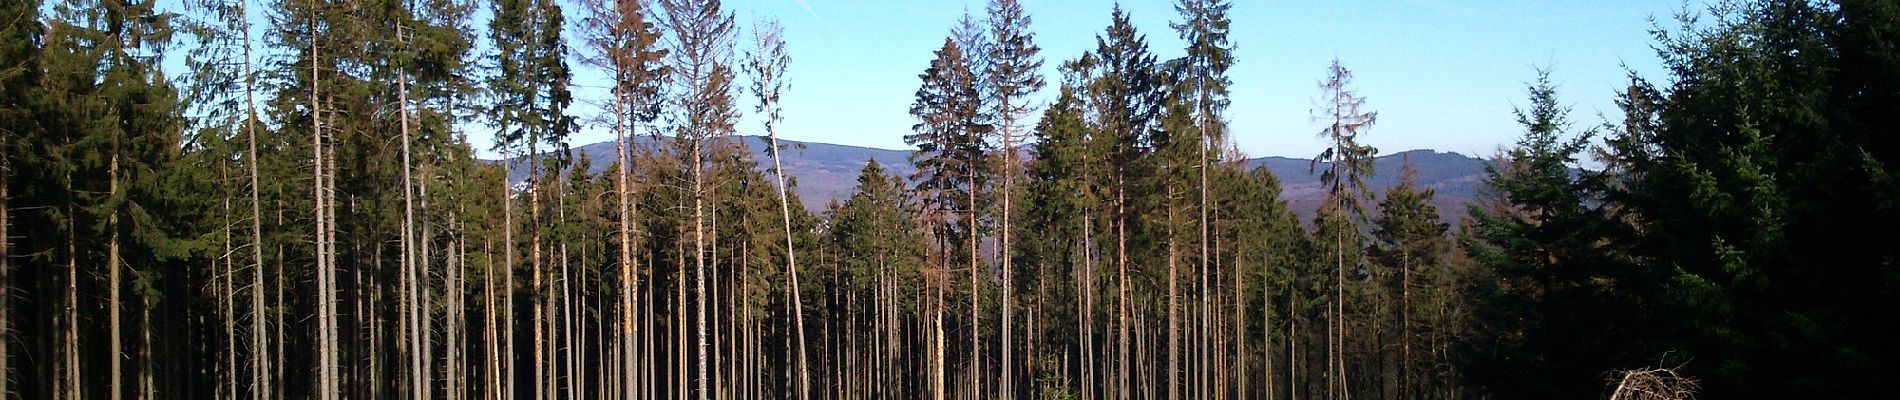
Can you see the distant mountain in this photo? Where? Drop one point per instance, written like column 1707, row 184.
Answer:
column 820, row 172
column 1456, row 178
column 823, row 172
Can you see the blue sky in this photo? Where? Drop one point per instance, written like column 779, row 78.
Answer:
column 1442, row 74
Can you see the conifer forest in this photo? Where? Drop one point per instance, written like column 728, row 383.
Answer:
column 194, row 207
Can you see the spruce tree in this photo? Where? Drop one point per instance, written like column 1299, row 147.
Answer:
column 950, row 152
column 1013, row 74
column 1348, row 164
column 531, row 96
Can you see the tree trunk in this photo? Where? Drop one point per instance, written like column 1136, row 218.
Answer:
column 115, row 343
column 72, row 307
column 1174, row 320
column 227, row 310
column 627, row 277
column 534, row 273
column 457, row 315
column 1007, row 390
column 1087, row 314
column 791, row 257
column 976, row 314
column 506, row 364
column 491, row 343
column 699, row 263
column 326, row 307
column 261, row 379
column 412, row 283
column 1121, row 261
column 6, row 268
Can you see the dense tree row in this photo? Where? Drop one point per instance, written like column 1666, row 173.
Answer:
column 301, row 215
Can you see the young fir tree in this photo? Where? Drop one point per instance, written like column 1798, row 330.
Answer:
column 1059, row 202
column 1539, row 242
column 1411, row 240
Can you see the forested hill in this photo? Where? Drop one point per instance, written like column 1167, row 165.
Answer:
column 826, row 171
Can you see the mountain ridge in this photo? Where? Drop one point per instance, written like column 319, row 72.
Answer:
column 822, row 172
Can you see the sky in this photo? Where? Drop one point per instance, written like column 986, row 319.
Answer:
column 1441, row 74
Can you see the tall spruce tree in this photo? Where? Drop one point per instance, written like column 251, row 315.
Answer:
column 531, row 95
column 1539, row 242
column 1013, row 75
column 701, row 60
column 19, row 71
column 1204, row 26
column 1125, row 95
column 950, row 153
column 1348, row 164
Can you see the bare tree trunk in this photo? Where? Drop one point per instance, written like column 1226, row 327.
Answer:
column 791, row 256
column 679, row 311
column 1174, row 295
column 277, row 374
column 1121, row 261
column 699, row 262
column 567, row 312
column 226, row 304
column 491, row 343
column 1204, row 142
column 326, row 307
column 115, row 343
column 6, row 268
column 260, row 366
column 976, row 313
column 72, row 307
column 943, row 278
column 1405, row 324
column 1087, row 313
column 1240, row 326
column 506, row 364
column 627, row 277
column 1007, row 390
column 535, row 274
column 412, row 283
column 1266, row 337
column 457, row 314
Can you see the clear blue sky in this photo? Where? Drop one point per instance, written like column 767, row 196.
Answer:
column 1442, row 74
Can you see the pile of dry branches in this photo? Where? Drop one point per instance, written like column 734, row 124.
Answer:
column 1654, row 384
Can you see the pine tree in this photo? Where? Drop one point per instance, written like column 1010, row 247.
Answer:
column 1058, row 196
